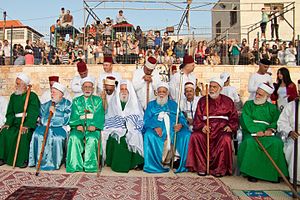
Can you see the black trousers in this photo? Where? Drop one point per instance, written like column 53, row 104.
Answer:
column 274, row 27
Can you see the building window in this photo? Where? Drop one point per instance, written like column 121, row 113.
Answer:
column 29, row 35
column 1, row 35
column 18, row 34
column 36, row 37
column 233, row 16
column 218, row 29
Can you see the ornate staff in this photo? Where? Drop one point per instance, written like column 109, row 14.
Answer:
column 277, row 168
column 296, row 147
column 44, row 141
column 21, row 126
column 177, row 116
column 207, row 124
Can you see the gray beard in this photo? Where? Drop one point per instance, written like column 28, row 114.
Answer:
column 162, row 101
column 123, row 98
column 56, row 100
column 260, row 101
column 215, row 95
column 18, row 92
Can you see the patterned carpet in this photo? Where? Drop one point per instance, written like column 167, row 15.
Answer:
column 263, row 194
column 120, row 187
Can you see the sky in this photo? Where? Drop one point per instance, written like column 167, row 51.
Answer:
column 41, row 14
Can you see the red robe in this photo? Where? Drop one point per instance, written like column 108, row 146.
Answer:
column 220, row 141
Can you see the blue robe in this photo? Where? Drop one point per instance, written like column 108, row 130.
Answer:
column 153, row 144
column 54, row 152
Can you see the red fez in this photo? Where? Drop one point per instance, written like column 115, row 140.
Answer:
column 53, row 78
column 187, row 59
column 108, row 59
column 174, row 67
column 81, row 66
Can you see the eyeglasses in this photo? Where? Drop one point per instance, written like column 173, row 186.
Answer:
column 88, row 87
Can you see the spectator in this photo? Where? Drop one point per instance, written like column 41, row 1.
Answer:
column 29, row 59
column 166, row 41
column 275, row 22
column 143, row 44
column 118, row 52
column 290, row 55
column 150, row 40
column 120, row 19
column 223, row 52
column 180, row 50
column 99, row 52
column 274, row 55
column 234, row 51
column 28, row 45
column 67, row 19
column 264, row 53
column 263, row 24
column 200, row 53
column 62, row 14
column 107, row 29
column 158, row 39
column 213, row 58
column 91, row 49
column 65, row 58
column 20, row 60
column 6, row 52
column 138, row 33
column 108, row 48
column 37, row 53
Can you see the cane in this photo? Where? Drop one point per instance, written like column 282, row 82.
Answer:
column 22, row 123
column 207, row 135
column 147, row 93
column 296, row 147
column 44, row 141
column 98, row 156
column 277, row 168
column 104, row 99
column 177, row 116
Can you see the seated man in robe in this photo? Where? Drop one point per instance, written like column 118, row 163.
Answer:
column 54, row 151
column 286, row 126
column 259, row 119
column 86, row 122
column 123, row 130
column 10, row 130
column 223, row 122
column 3, row 108
column 189, row 104
column 160, row 128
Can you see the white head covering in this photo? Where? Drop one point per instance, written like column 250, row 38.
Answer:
column 224, row 76
column 24, row 78
column 162, row 84
column 266, row 87
column 59, row 87
column 217, row 80
column 189, row 85
column 87, row 79
column 151, row 63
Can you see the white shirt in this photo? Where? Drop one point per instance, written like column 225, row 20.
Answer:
column 46, row 96
column 3, row 109
column 103, row 75
column 231, row 92
column 254, row 81
column 174, row 84
column 140, row 86
column 189, row 108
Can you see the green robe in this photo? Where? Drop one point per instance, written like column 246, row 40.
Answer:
column 8, row 137
column 118, row 156
column 83, row 147
column 252, row 161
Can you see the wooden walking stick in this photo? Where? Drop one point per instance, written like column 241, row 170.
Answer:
column 277, row 168
column 147, row 93
column 207, row 135
column 104, row 103
column 98, row 156
column 296, row 147
column 177, row 117
column 22, row 123
column 44, row 141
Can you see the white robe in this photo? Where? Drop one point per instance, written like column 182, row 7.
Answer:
column 174, row 84
column 254, row 81
column 103, row 75
column 46, row 96
column 231, row 92
column 189, row 108
column 3, row 109
column 140, row 86
column 285, row 124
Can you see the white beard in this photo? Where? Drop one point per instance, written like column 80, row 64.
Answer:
column 56, row 99
column 215, row 95
column 18, row 92
column 123, row 97
column 162, row 100
column 260, row 101
column 88, row 94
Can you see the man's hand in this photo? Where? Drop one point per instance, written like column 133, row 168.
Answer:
column 158, row 131
column 52, row 109
column 260, row 134
column 91, row 128
column 268, row 132
column 24, row 130
column 294, row 135
column 103, row 95
column 147, row 78
column 177, row 127
column 80, row 128
column 227, row 129
column 4, row 126
column 190, row 121
column 206, row 130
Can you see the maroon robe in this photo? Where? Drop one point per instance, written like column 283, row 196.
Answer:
column 220, row 141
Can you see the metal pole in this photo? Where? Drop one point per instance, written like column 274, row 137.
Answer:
column 11, row 45
column 227, row 56
column 189, row 28
column 298, row 50
column 4, row 24
column 84, row 28
column 294, row 34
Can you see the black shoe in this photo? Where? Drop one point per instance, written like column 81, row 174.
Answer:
column 25, row 164
column 201, row 173
column 139, row 167
column 176, row 164
column 252, row 179
column 2, row 162
column 218, row 175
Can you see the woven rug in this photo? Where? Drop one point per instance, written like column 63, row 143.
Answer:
column 120, row 187
column 263, row 194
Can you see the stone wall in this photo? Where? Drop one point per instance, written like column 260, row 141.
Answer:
column 39, row 75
